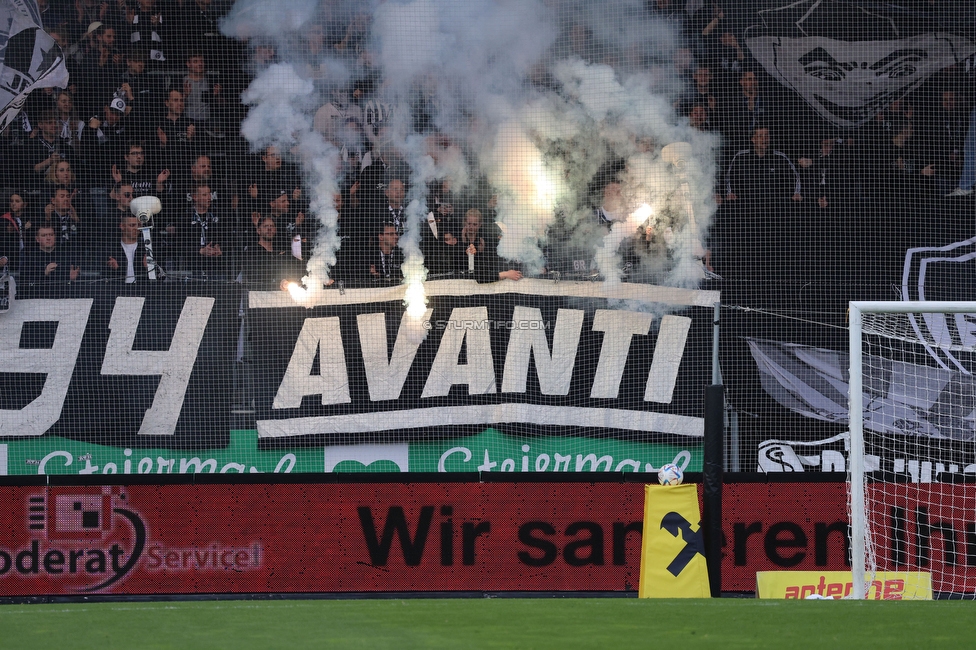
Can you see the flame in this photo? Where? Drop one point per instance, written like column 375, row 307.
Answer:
column 545, row 189
column 414, row 273
column 639, row 216
column 416, row 300
column 297, row 292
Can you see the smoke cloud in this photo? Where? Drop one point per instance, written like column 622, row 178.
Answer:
column 541, row 102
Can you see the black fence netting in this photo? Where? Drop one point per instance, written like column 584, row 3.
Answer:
column 464, row 236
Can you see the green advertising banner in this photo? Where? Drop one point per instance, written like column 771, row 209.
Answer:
column 490, row 450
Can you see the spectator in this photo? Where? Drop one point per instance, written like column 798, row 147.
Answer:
column 726, row 52
column 613, row 207
column 471, row 243
column 943, row 140
column 107, row 219
column 9, row 259
column 272, row 174
column 135, row 173
column 203, row 98
column 103, row 142
column 204, row 241
column 380, row 165
column 279, row 208
column 198, row 29
column 12, row 226
column 63, row 216
column 354, row 152
column 906, row 169
column 52, row 14
column 437, row 240
column 704, row 23
column 699, row 117
column 489, row 266
column 881, row 129
column 61, row 37
column 394, row 209
column 479, row 255
column 830, row 172
column 100, row 67
column 330, row 118
column 68, row 124
column 385, row 258
column 86, row 13
column 354, row 239
column 367, row 107
column 126, row 258
column 670, row 10
column 266, row 266
column 353, row 41
column 571, row 247
column 223, row 198
column 761, row 173
column 704, row 92
column 148, row 25
column 745, row 111
column 175, row 132
column 143, row 92
column 45, row 149
column 45, row 264
column 61, row 175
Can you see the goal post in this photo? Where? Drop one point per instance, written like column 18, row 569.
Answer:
column 912, row 404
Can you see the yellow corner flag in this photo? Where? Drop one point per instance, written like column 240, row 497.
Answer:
column 673, row 551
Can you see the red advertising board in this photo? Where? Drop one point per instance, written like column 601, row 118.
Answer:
column 292, row 538
column 782, row 527
column 926, row 527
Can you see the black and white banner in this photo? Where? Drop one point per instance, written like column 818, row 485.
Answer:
column 29, row 57
column 918, row 419
column 849, row 60
column 120, row 365
column 899, row 398
column 535, row 355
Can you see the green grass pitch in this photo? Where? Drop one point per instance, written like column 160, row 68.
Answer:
column 489, row 623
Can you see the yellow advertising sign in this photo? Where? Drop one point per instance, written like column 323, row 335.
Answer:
column 886, row 585
column 673, row 551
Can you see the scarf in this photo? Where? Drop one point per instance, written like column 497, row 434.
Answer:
column 204, row 221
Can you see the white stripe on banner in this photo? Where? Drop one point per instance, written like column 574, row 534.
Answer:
column 644, row 293
column 486, row 415
column 3, row 460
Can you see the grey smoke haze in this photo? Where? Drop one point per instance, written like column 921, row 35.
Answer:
column 249, row 19
column 535, row 97
column 281, row 115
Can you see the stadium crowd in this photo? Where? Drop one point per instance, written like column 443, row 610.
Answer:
column 153, row 107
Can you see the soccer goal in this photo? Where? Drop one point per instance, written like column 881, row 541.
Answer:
column 912, row 476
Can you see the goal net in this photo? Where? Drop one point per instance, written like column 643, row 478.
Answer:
column 912, row 496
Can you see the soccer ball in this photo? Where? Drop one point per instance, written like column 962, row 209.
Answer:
column 670, row 474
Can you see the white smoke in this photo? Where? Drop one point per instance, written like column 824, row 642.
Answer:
column 263, row 19
column 533, row 97
column 280, row 115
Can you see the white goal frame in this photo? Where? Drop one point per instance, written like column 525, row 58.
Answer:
column 856, row 480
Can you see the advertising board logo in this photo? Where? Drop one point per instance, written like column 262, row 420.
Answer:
column 827, row 455
column 694, row 541
column 79, row 535
column 943, row 273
